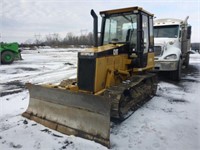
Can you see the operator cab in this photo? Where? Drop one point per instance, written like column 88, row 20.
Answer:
column 132, row 27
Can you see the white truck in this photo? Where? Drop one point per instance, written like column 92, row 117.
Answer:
column 172, row 45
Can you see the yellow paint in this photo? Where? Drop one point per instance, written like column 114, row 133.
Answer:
column 122, row 10
column 105, row 70
column 103, row 48
column 150, row 63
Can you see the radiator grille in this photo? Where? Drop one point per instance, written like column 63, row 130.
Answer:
column 157, row 50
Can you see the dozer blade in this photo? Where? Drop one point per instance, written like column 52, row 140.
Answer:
column 71, row 113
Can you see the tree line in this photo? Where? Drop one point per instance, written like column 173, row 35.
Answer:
column 70, row 40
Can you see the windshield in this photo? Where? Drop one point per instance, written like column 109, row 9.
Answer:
column 166, row 31
column 119, row 28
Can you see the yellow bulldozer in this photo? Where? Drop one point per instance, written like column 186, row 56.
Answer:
column 113, row 77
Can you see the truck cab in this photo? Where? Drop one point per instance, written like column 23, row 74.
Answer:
column 172, row 44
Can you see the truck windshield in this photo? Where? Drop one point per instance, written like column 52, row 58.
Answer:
column 120, row 27
column 166, row 31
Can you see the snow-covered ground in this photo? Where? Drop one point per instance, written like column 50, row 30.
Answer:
column 169, row 121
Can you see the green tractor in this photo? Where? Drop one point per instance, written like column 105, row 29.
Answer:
column 9, row 52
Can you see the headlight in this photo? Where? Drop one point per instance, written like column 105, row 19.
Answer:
column 171, row 56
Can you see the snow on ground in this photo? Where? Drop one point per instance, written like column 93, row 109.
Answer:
column 169, row 121
column 41, row 66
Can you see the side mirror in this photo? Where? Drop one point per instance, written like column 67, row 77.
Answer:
column 189, row 31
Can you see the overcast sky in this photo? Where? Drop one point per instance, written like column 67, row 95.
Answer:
column 23, row 20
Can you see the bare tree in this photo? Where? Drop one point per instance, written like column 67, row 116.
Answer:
column 53, row 39
column 70, row 39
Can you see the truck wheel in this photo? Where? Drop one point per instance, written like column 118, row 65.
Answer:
column 176, row 75
column 7, row 57
column 187, row 59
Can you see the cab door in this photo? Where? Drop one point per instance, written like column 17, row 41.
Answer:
column 146, row 40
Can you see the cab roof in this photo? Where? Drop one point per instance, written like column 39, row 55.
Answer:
column 124, row 10
column 168, row 21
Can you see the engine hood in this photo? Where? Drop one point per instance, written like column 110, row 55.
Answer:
column 167, row 42
column 169, row 46
column 105, row 50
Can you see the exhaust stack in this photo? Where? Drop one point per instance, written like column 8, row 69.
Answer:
column 95, row 27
